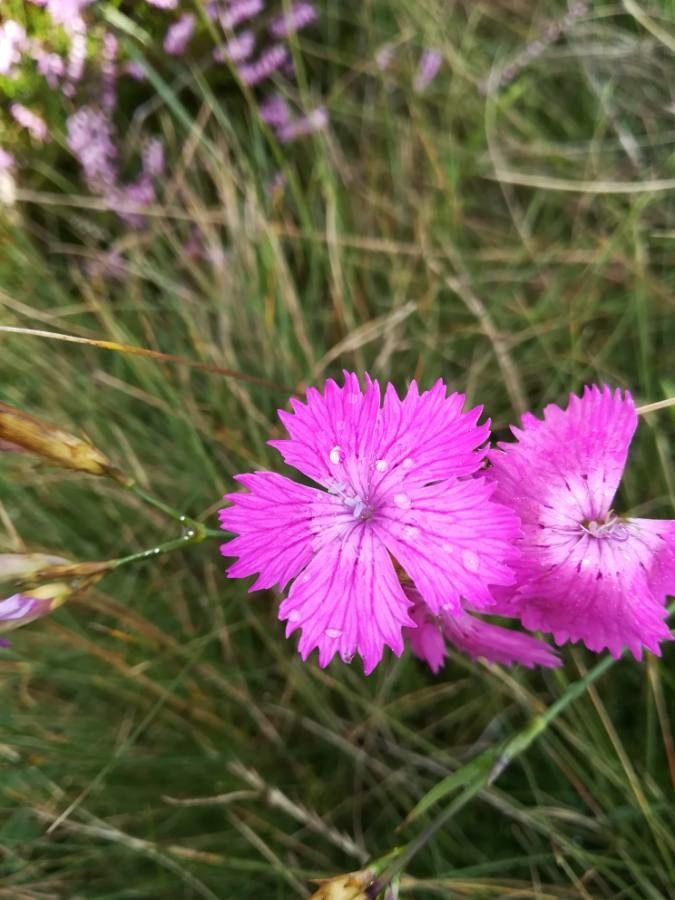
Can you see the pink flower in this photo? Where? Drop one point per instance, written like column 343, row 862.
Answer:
column 163, row 4
column 179, row 34
column 300, row 15
column 315, row 120
column 586, row 574
column 395, row 481
column 236, row 50
column 429, row 65
column 266, row 64
column 34, row 124
column 240, row 11
column 471, row 636
column 67, row 13
column 7, row 160
column 20, row 609
column 12, row 44
column 274, row 111
column 50, row 65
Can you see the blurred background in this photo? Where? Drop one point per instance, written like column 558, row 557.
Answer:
column 478, row 191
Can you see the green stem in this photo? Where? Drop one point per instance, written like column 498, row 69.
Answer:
column 480, row 773
column 191, row 536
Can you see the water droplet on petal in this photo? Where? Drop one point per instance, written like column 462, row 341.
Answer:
column 336, row 455
column 403, row 501
column 407, row 463
column 470, row 560
column 410, row 531
column 381, row 465
column 293, row 616
column 447, row 548
column 333, row 633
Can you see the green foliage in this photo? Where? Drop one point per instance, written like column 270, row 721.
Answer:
column 518, row 245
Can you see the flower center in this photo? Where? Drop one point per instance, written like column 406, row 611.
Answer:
column 360, row 507
column 609, row 527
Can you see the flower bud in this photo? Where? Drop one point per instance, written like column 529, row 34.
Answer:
column 20, row 609
column 26, row 566
column 345, row 887
column 60, row 447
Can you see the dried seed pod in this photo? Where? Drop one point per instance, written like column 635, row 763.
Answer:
column 60, row 447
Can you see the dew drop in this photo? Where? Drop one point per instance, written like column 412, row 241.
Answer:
column 410, row 531
column 293, row 616
column 407, row 463
column 381, row 465
column 403, row 501
column 470, row 560
column 336, row 455
column 447, row 548
column 333, row 633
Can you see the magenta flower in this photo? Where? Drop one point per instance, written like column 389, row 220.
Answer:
column 585, row 574
column 394, row 482
column 178, row 35
column 471, row 636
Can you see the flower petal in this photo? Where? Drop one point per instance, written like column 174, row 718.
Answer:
column 273, row 524
column 570, row 463
column 608, row 592
column 344, row 435
column 453, row 541
column 348, row 600
column 426, row 641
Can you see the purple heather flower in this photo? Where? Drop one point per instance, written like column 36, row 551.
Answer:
column 90, row 139
column 585, row 574
column 50, row 65
column 7, row 160
column 429, row 65
column 12, row 44
column 313, row 121
column 32, row 122
column 472, row 636
column 153, row 158
column 237, row 49
column 135, row 70
column 300, row 15
column 239, row 11
column 179, row 34
column 397, row 480
column 274, row 111
column 109, row 72
column 266, row 64
column 77, row 54
column 67, row 13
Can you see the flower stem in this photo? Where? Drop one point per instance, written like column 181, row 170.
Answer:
column 479, row 773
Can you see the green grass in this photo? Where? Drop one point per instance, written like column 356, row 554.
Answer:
column 403, row 243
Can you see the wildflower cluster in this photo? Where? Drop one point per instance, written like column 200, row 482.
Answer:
column 49, row 52
column 415, row 526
